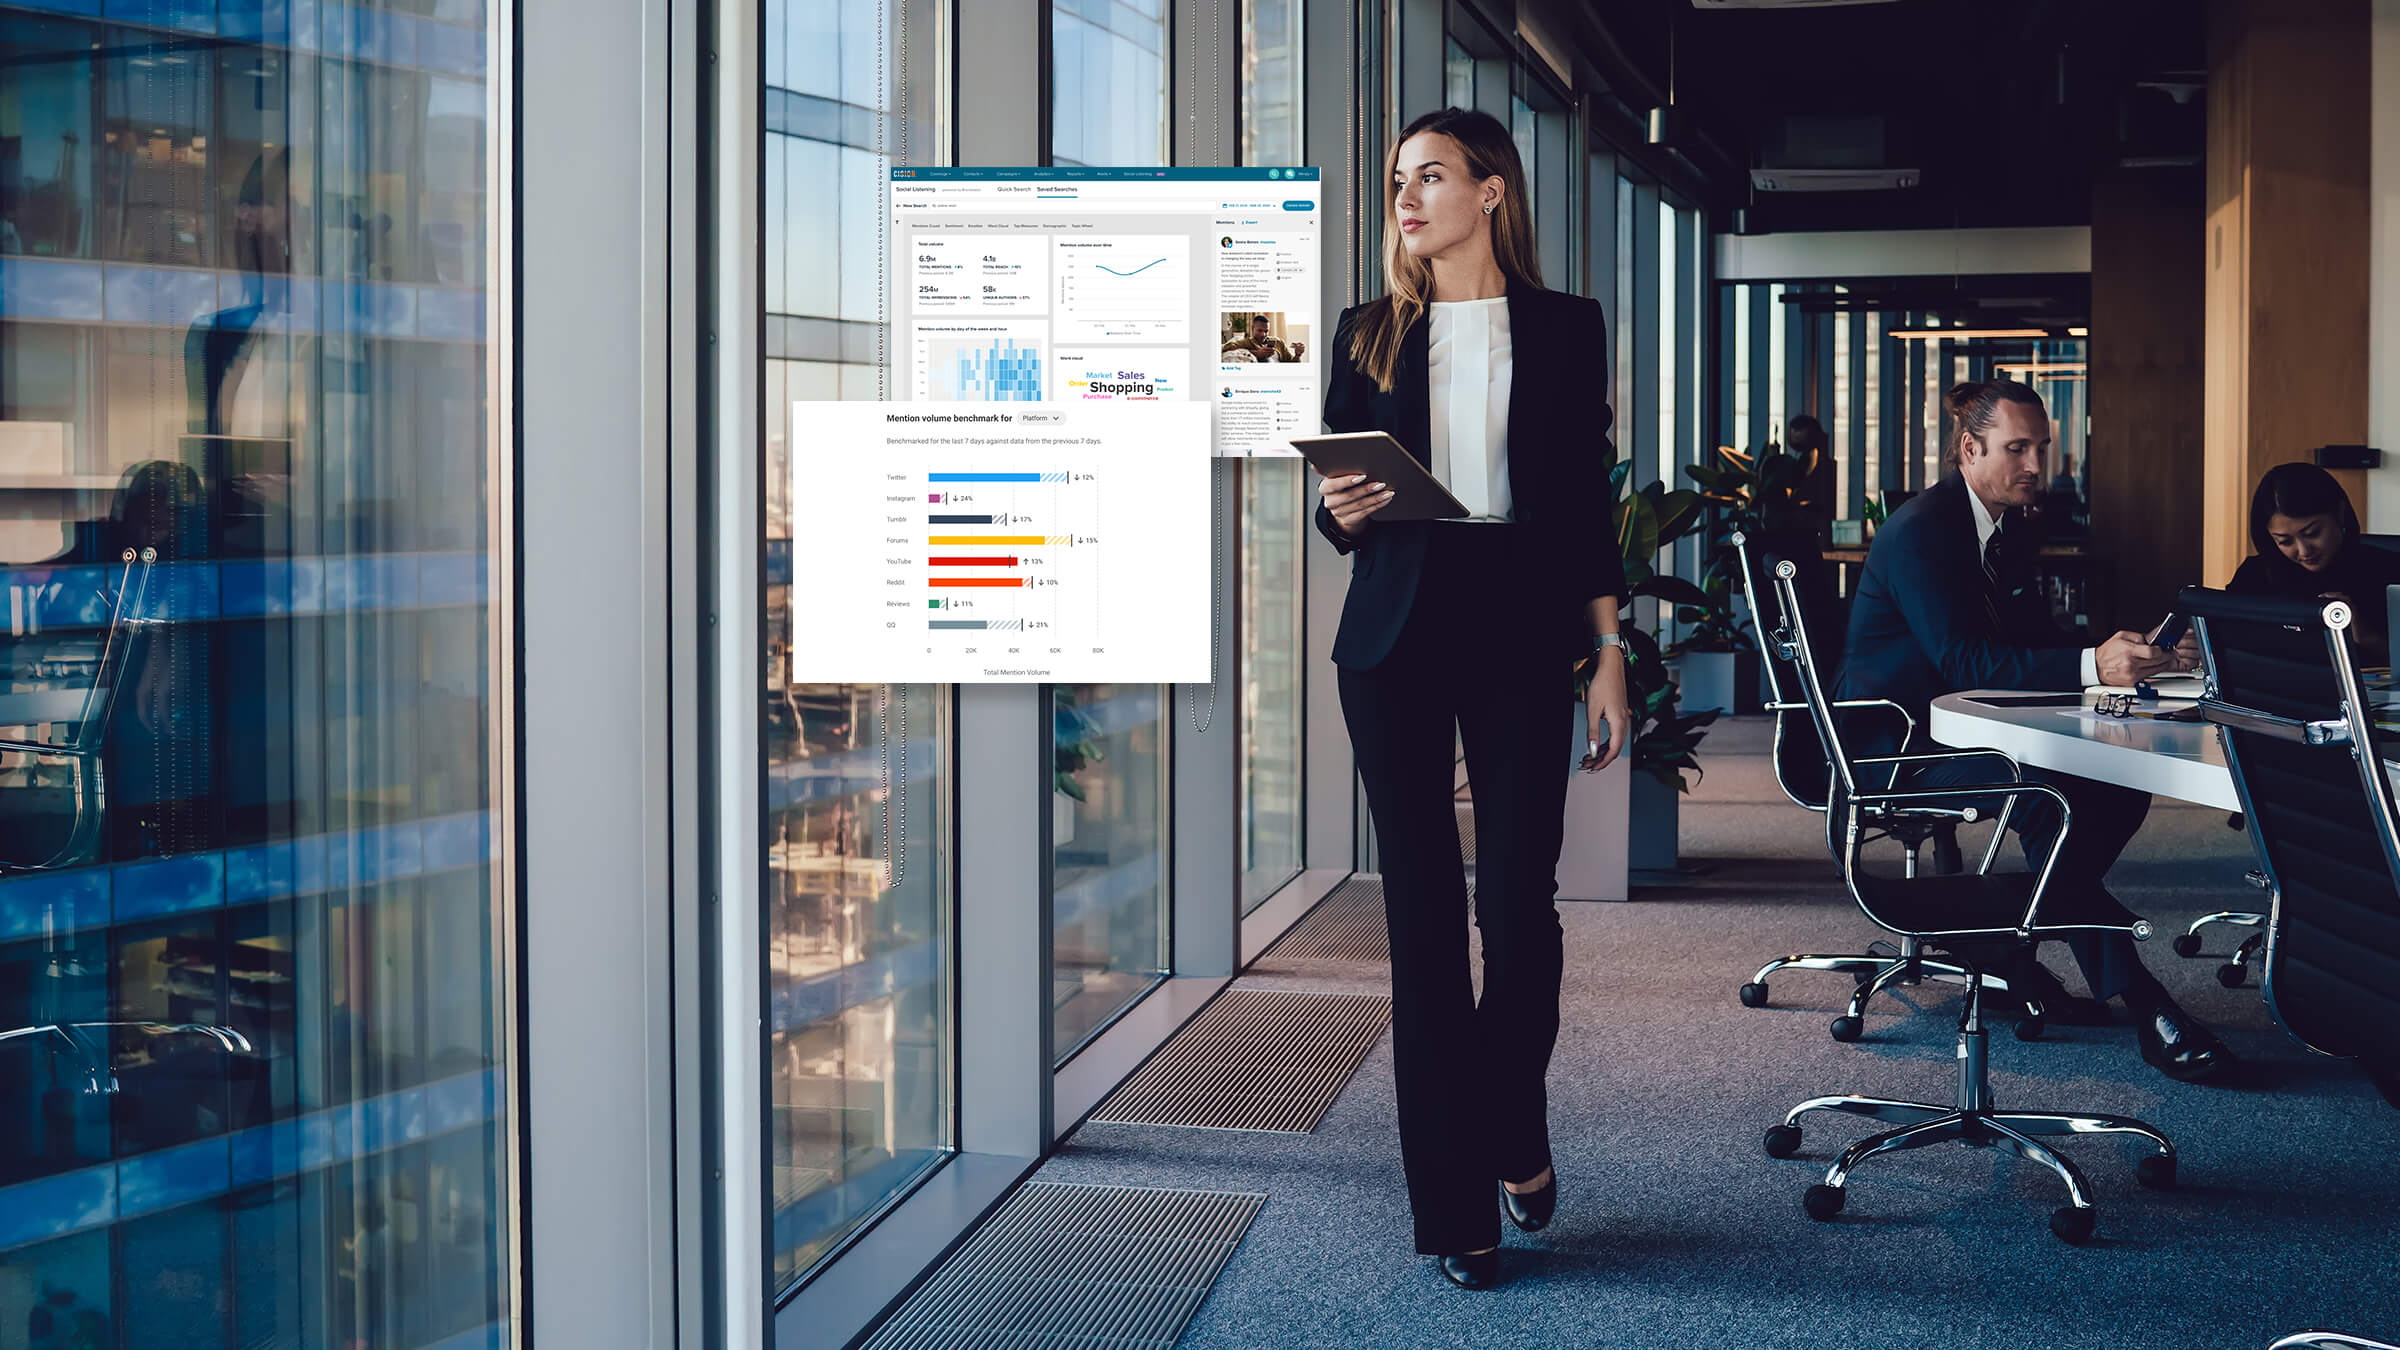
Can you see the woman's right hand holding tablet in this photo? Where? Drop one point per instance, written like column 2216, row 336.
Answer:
column 1352, row 500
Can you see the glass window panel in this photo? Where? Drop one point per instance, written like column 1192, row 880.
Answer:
column 1458, row 74
column 1108, row 97
column 1108, row 799
column 1667, row 354
column 46, row 204
column 1271, row 82
column 1743, row 435
column 285, row 403
column 860, row 929
column 1871, row 404
column 1838, row 426
column 1779, row 325
column 1108, row 855
column 1272, row 514
column 1629, row 307
column 814, row 280
column 1272, row 528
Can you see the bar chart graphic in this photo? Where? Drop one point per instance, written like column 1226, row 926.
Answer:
column 1060, row 542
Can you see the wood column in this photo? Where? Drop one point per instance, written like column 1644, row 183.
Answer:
column 2148, row 305
column 2287, row 250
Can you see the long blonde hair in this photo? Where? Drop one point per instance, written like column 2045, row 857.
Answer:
column 1408, row 280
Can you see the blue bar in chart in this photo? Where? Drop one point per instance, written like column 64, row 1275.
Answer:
column 985, row 477
column 1001, row 371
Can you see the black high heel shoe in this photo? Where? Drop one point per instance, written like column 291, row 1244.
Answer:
column 1480, row 1270
column 1531, row 1211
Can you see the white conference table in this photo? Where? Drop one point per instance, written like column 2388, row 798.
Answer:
column 2182, row 760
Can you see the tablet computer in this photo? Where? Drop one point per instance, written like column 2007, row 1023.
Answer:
column 1418, row 495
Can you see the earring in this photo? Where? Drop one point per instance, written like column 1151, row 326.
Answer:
column 1487, row 210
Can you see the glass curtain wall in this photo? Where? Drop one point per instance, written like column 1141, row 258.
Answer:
column 857, row 873
column 1273, row 511
column 1108, row 757
column 254, row 955
column 1880, row 395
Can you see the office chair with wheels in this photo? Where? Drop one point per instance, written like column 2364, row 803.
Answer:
column 2308, row 766
column 2329, row 1340
column 1977, row 911
column 1805, row 776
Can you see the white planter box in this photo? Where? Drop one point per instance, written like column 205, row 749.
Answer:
column 1592, row 862
column 1062, row 818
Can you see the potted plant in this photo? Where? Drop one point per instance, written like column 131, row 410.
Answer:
column 1643, row 789
column 1766, row 496
column 1717, row 658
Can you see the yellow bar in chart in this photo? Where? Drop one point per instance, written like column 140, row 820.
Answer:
column 990, row 539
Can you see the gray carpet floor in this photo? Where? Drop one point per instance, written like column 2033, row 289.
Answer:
column 1676, row 1230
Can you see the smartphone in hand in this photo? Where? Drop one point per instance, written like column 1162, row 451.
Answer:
column 2170, row 632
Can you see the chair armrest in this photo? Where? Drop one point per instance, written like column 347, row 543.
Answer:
column 2016, row 772
column 1907, row 736
column 2066, row 823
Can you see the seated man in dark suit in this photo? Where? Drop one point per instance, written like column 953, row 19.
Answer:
column 1947, row 603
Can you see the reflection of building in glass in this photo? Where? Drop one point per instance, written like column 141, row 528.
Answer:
column 242, row 331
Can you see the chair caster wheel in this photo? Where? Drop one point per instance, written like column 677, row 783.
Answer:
column 2232, row 976
column 2030, row 1028
column 1754, row 994
column 2187, row 944
column 2073, row 1226
column 1822, row 1201
column 2156, row 1171
column 1783, row 1140
column 1847, row 1029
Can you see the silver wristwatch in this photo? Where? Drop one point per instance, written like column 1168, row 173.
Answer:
column 1607, row 640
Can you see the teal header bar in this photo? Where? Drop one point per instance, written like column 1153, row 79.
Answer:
column 1072, row 173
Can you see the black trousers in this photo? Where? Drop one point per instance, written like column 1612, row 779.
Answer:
column 1474, row 655
column 2107, row 817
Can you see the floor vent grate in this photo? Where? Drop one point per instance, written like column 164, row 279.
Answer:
column 1346, row 925
column 1254, row 1059
column 1076, row 1265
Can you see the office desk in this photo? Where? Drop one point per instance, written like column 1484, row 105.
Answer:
column 2166, row 759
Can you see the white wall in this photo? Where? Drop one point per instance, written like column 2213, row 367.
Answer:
column 2383, row 300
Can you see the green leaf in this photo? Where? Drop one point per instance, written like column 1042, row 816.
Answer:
column 1677, row 512
column 1677, row 590
column 1637, row 528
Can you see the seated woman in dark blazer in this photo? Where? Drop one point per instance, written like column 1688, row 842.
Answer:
column 2306, row 537
column 1470, row 628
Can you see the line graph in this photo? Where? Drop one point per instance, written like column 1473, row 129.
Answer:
column 1122, row 288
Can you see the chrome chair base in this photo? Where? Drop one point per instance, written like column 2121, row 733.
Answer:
column 2329, row 1340
column 2236, row 970
column 1873, row 973
column 1973, row 1119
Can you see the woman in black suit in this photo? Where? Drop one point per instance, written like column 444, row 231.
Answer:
column 2305, row 533
column 1498, row 386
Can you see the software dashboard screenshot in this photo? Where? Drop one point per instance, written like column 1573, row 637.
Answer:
column 1113, row 285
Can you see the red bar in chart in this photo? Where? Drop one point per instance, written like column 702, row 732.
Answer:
column 976, row 581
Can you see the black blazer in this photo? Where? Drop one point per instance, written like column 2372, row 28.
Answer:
column 1559, row 456
column 1920, row 625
